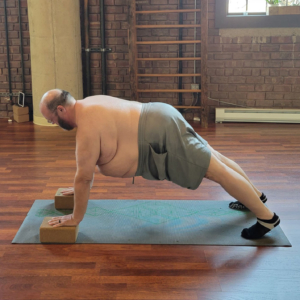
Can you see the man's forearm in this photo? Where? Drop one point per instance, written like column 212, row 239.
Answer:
column 81, row 197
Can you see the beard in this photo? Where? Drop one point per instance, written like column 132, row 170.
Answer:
column 64, row 124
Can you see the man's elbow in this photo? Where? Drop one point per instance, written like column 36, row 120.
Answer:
column 84, row 179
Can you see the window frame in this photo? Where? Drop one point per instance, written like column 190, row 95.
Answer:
column 225, row 20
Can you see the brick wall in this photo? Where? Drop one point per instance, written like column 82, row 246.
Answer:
column 15, row 54
column 254, row 71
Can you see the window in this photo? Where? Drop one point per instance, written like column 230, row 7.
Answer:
column 252, row 14
column 255, row 7
column 247, row 7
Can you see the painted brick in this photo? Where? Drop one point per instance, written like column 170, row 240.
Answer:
column 274, row 80
column 236, row 79
column 211, row 23
column 270, row 48
column 238, row 95
column 288, row 63
column 3, row 107
column 251, row 47
column 283, row 88
column 272, row 64
column 296, row 55
column 283, row 103
column 261, row 40
column 261, row 55
column 275, row 72
column 238, row 71
column 281, row 40
column 287, row 47
column 293, row 73
column 245, row 88
column 112, row 9
column 234, row 64
column 242, row 55
column 282, row 55
column 296, row 88
column 231, row 48
column 229, row 72
column 220, row 72
column 211, row 72
column 285, row 72
column 292, row 96
column 242, row 40
column 264, row 87
column 213, row 87
column 214, row 48
column 292, row 80
column 256, row 95
column 3, row 114
column 225, row 40
column 213, row 32
column 253, row 64
column 246, row 102
column 255, row 72
column 255, row 79
column 227, row 87
column 222, row 56
column 218, row 79
column 219, row 95
column 210, row 64
column 217, row 39
column 121, row 17
column 274, row 96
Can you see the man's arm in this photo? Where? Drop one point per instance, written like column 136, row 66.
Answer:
column 70, row 190
column 87, row 155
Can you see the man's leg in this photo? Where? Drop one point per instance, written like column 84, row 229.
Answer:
column 234, row 166
column 240, row 188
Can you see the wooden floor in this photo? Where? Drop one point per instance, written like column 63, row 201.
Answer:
column 35, row 161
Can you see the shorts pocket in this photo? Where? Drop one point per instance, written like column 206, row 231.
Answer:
column 160, row 160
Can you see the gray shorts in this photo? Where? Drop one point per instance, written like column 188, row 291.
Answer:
column 169, row 148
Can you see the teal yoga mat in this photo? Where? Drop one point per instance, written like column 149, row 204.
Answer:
column 200, row 222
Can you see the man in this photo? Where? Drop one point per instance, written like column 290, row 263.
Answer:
column 127, row 138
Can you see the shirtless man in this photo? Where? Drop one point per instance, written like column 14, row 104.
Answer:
column 127, row 138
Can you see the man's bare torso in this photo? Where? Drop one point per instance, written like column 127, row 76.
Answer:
column 115, row 123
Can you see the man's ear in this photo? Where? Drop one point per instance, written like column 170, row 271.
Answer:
column 61, row 108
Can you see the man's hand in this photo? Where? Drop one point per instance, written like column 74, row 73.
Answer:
column 66, row 220
column 68, row 191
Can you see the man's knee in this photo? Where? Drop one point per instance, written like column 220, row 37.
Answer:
column 217, row 154
column 216, row 170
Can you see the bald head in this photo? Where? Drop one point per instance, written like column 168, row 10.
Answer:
column 53, row 98
column 56, row 106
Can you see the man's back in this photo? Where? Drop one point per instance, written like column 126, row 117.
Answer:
column 115, row 123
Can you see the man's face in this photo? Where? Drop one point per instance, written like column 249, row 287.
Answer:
column 53, row 118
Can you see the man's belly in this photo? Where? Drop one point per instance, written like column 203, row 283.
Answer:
column 120, row 166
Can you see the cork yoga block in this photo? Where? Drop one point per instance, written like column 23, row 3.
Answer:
column 58, row 235
column 62, row 201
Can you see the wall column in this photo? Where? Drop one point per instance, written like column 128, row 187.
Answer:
column 55, row 47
